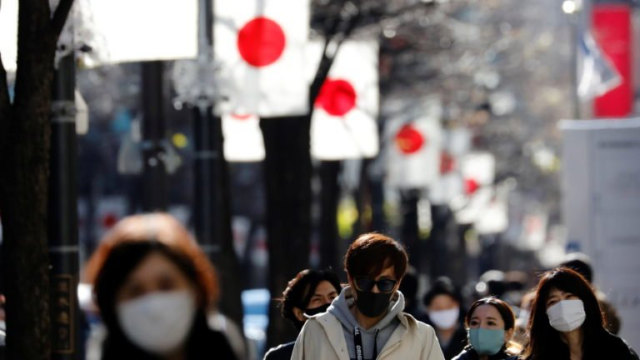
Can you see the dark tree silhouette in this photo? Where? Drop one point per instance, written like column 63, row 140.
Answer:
column 24, row 144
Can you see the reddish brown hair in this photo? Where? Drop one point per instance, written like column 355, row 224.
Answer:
column 371, row 253
column 160, row 228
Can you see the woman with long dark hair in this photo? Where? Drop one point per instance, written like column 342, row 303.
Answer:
column 154, row 288
column 490, row 324
column 567, row 323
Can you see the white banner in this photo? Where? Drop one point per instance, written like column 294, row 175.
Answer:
column 140, row 30
column 601, row 206
column 9, row 34
column 243, row 140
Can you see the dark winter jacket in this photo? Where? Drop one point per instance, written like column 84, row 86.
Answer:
column 470, row 354
column 281, row 352
column 607, row 346
column 456, row 344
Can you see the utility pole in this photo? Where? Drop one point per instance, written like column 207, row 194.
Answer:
column 63, row 217
column 155, row 179
column 206, row 141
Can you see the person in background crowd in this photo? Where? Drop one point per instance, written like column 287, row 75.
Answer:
column 567, row 323
column 522, row 322
column 515, row 284
column 582, row 264
column 490, row 323
column 491, row 283
column 154, row 287
column 308, row 294
column 409, row 288
column 443, row 303
column 366, row 321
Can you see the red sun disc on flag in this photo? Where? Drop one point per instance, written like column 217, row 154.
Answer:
column 109, row 220
column 409, row 140
column 337, row 97
column 447, row 163
column 241, row 117
column 471, row 186
column 261, row 42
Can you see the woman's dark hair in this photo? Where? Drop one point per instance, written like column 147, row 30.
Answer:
column 505, row 312
column 371, row 253
column 442, row 286
column 123, row 249
column 544, row 340
column 300, row 290
column 503, row 308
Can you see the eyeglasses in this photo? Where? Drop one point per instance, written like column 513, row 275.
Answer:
column 366, row 284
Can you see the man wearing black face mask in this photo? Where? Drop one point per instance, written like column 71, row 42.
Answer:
column 367, row 321
column 308, row 294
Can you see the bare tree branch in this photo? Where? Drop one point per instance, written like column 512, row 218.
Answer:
column 60, row 17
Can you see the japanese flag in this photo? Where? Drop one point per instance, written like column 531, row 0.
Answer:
column 450, row 184
column 478, row 172
column 414, row 152
column 243, row 140
column 344, row 124
column 261, row 44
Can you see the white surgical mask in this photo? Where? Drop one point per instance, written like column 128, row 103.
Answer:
column 566, row 315
column 445, row 319
column 159, row 322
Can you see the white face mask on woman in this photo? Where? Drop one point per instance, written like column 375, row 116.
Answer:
column 158, row 323
column 566, row 315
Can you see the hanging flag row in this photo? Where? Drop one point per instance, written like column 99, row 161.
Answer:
column 343, row 124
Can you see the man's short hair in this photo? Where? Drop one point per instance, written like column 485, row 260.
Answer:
column 371, row 253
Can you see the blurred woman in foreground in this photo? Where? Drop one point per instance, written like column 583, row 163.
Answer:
column 154, row 288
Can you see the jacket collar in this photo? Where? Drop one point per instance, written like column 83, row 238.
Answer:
column 338, row 342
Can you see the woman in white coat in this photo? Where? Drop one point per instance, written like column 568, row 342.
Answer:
column 367, row 320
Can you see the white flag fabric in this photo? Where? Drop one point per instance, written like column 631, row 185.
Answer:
column 261, row 43
column 478, row 172
column 140, row 30
column 413, row 152
column 9, row 34
column 596, row 74
column 343, row 125
column 243, row 140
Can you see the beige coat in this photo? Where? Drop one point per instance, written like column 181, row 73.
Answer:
column 322, row 338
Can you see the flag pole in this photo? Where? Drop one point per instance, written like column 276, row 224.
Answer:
column 63, row 217
column 206, row 141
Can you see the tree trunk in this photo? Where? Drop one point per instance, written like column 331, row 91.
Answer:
column 410, row 233
column 329, row 196
column 227, row 259
column 288, row 188
column 25, row 135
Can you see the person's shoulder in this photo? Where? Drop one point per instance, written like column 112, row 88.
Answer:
column 464, row 355
column 419, row 328
column 280, row 352
column 619, row 347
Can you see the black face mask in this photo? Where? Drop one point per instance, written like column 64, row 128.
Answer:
column 372, row 304
column 316, row 310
